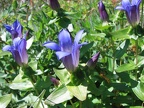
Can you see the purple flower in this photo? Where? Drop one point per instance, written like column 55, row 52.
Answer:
column 132, row 11
column 18, row 50
column 15, row 29
column 102, row 11
column 67, row 50
column 91, row 63
column 54, row 4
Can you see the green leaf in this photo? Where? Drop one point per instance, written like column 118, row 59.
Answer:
column 140, row 60
column 34, row 101
column 138, row 92
column 85, row 48
column 104, row 26
column 5, row 100
column 61, row 94
column 135, row 106
column 121, row 34
column 40, row 99
column 19, row 83
column 126, row 67
column 80, row 91
column 122, row 49
column 33, row 64
column 63, row 75
column 3, row 53
column 29, row 42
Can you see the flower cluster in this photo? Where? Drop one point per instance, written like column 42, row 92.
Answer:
column 18, row 48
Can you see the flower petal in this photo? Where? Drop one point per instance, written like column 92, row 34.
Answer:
column 17, row 57
column 18, row 27
column 78, row 36
column 119, row 8
column 135, row 2
column 7, row 48
column 68, row 63
column 52, row 45
column 16, row 42
column 65, row 40
column 125, row 4
column 22, row 51
column 61, row 54
column 8, row 28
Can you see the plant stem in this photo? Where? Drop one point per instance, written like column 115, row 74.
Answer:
column 80, row 106
column 72, row 104
column 136, row 44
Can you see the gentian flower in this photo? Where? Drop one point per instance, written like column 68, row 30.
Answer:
column 54, row 4
column 91, row 63
column 132, row 11
column 102, row 11
column 15, row 29
column 67, row 50
column 18, row 50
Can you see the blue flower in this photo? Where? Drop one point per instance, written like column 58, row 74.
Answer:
column 102, row 11
column 132, row 11
column 18, row 50
column 15, row 29
column 67, row 50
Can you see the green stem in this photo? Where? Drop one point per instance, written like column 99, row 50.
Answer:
column 80, row 106
column 136, row 44
column 72, row 104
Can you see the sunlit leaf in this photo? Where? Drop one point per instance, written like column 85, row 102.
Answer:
column 138, row 92
column 29, row 42
column 61, row 94
column 5, row 100
column 120, row 34
column 80, row 91
column 126, row 67
column 63, row 75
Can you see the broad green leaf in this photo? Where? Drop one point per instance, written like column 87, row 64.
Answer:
column 33, row 64
column 121, row 34
column 20, row 83
column 80, row 91
column 35, row 101
column 5, row 100
column 29, row 42
column 140, row 60
column 122, row 49
column 63, row 75
column 138, row 92
column 59, row 95
column 126, row 67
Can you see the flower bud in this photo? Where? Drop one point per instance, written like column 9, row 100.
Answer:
column 54, row 81
column 102, row 11
column 54, row 4
column 91, row 63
